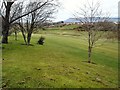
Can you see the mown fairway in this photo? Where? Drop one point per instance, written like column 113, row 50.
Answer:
column 59, row 63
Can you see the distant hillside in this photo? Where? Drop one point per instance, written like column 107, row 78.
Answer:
column 74, row 20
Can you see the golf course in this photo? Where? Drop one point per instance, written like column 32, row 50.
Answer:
column 61, row 62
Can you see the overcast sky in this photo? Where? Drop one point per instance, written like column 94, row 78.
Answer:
column 68, row 7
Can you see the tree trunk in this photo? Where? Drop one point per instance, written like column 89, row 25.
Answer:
column 23, row 32
column 5, row 39
column 5, row 34
column 24, row 37
column 89, row 54
column 6, row 23
column 30, row 30
column 15, row 35
column 29, row 38
column 89, row 47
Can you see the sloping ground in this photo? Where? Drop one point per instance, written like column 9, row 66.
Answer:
column 59, row 63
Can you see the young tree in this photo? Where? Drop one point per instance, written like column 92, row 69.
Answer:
column 91, row 17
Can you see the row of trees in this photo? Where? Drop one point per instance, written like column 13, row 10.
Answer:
column 27, row 16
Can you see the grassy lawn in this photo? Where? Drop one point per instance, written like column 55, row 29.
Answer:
column 59, row 63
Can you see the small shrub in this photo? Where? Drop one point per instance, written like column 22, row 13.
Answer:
column 43, row 29
column 41, row 40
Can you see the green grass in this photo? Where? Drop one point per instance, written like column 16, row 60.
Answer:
column 59, row 63
column 66, row 27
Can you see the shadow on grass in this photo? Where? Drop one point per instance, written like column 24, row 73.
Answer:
column 90, row 62
column 28, row 45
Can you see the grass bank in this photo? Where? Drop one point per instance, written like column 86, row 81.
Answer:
column 59, row 63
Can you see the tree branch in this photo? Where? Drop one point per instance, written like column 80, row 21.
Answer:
column 28, row 12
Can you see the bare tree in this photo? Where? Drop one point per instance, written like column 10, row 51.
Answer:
column 35, row 19
column 91, row 17
column 6, row 13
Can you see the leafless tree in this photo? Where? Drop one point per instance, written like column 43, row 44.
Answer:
column 34, row 20
column 93, row 21
column 6, row 8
